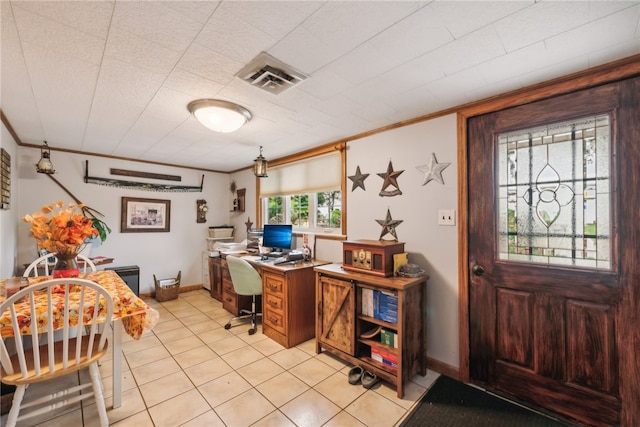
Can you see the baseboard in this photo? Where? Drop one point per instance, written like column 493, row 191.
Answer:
column 443, row 368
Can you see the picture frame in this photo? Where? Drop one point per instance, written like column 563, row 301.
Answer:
column 145, row 215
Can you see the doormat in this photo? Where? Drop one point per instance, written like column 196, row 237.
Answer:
column 452, row 403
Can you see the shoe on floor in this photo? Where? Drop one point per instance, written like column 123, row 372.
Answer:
column 369, row 379
column 355, row 375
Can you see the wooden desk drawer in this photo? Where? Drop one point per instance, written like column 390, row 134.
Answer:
column 230, row 302
column 227, row 285
column 274, row 302
column 273, row 284
column 225, row 272
column 274, row 319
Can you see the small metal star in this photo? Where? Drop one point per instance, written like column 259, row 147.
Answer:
column 389, row 226
column 248, row 224
column 433, row 170
column 390, row 178
column 358, row 179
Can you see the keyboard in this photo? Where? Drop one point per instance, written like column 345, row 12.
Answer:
column 280, row 260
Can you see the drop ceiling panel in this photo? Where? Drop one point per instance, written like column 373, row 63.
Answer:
column 115, row 77
column 142, row 53
column 58, row 38
column 233, row 39
column 206, row 63
column 154, row 21
column 612, row 29
column 464, row 17
column 89, row 17
column 418, row 33
column 191, row 84
column 514, row 63
column 539, row 22
column 199, row 11
column 274, row 18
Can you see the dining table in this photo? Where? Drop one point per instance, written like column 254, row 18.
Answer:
column 131, row 314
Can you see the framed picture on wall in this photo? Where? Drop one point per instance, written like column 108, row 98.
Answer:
column 145, row 215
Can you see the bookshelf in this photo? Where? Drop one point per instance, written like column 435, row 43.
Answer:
column 360, row 328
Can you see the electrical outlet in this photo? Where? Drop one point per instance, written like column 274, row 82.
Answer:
column 447, row 217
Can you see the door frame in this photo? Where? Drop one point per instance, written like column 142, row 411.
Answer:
column 608, row 73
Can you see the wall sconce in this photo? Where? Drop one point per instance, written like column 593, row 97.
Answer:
column 45, row 165
column 201, row 210
column 219, row 116
column 260, row 166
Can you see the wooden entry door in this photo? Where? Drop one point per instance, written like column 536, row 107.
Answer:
column 554, row 243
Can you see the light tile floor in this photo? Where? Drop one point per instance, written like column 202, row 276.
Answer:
column 190, row 371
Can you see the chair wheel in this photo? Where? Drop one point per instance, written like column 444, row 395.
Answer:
column 227, row 326
column 252, row 331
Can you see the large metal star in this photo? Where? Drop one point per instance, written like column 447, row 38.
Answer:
column 390, row 178
column 388, row 226
column 433, row 170
column 358, row 179
column 248, row 224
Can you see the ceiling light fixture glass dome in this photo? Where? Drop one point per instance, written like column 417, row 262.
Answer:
column 218, row 115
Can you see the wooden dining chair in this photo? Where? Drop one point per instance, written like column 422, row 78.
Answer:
column 55, row 301
column 43, row 262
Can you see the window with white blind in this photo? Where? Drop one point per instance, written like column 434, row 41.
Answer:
column 306, row 193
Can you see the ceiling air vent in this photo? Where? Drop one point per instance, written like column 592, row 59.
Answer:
column 268, row 73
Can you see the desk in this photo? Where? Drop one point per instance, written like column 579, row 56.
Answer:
column 129, row 313
column 288, row 300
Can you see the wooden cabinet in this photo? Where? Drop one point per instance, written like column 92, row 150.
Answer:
column 288, row 294
column 336, row 321
column 215, row 277
column 346, row 327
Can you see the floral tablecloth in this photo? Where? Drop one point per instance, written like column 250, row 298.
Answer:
column 136, row 315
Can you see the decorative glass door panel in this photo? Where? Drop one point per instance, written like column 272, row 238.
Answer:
column 554, row 194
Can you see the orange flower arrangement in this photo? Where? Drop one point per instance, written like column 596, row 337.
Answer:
column 61, row 230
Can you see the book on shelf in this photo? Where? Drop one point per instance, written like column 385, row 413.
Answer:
column 384, row 357
column 367, row 302
column 385, row 306
column 389, row 338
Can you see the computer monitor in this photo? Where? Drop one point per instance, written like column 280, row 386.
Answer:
column 278, row 237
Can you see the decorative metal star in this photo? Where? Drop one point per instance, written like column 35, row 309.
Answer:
column 248, row 224
column 390, row 178
column 389, row 226
column 433, row 170
column 358, row 179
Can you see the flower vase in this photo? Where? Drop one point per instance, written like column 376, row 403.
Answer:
column 65, row 266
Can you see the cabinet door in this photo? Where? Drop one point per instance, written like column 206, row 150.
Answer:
column 336, row 313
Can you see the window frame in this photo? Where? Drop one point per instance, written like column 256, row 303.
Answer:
column 319, row 151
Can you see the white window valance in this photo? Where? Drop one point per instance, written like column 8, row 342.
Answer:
column 311, row 175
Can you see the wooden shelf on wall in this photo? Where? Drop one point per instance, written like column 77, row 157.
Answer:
column 240, row 199
column 110, row 182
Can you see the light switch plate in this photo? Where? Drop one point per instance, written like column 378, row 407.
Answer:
column 447, row 217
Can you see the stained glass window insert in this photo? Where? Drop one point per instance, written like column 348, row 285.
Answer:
column 554, row 194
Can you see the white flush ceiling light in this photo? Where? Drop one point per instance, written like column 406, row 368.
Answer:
column 218, row 115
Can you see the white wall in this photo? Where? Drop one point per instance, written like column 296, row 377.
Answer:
column 433, row 247
column 244, row 179
column 9, row 217
column 159, row 253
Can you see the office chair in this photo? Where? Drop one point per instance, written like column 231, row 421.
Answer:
column 87, row 264
column 246, row 281
column 35, row 363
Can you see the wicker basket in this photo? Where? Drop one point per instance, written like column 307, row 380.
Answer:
column 167, row 289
